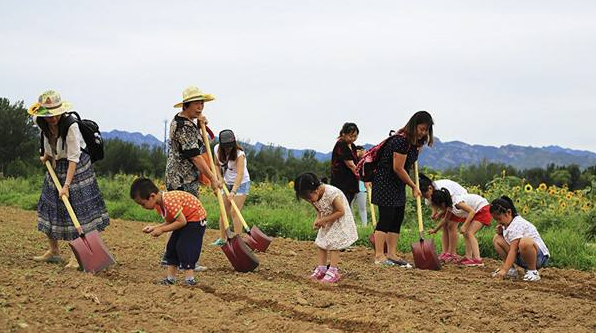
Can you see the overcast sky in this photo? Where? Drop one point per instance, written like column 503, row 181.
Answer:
column 292, row 72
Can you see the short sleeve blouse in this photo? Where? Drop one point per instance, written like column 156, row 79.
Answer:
column 341, row 176
column 387, row 188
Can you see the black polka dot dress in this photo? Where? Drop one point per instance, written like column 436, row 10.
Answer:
column 387, row 188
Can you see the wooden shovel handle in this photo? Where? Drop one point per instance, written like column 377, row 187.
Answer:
column 222, row 209
column 418, row 202
column 236, row 210
column 71, row 213
column 373, row 213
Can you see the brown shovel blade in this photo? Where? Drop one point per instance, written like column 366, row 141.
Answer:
column 425, row 255
column 240, row 255
column 91, row 253
column 257, row 240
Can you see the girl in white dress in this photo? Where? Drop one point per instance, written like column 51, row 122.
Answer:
column 334, row 221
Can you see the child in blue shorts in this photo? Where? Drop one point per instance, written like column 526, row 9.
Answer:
column 517, row 242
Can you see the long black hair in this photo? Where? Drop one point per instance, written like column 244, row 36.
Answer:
column 442, row 198
column 305, row 183
column 420, row 117
column 501, row 205
column 425, row 182
column 349, row 128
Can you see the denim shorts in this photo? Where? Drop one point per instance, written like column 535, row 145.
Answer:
column 541, row 260
column 243, row 189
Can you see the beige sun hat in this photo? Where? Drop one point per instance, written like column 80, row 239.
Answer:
column 192, row 94
column 49, row 104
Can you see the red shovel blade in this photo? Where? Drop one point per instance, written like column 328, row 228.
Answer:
column 91, row 253
column 257, row 240
column 240, row 255
column 425, row 255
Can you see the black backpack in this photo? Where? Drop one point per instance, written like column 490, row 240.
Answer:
column 89, row 130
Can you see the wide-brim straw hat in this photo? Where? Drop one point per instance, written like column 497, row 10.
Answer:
column 192, row 94
column 49, row 104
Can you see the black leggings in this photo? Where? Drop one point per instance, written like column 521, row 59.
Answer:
column 184, row 247
column 390, row 219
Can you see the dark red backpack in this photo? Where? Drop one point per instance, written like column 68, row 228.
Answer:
column 369, row 162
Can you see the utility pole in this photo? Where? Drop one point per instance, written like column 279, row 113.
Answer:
column 165, row 137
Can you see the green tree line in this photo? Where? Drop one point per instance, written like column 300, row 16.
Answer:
column 19, row 156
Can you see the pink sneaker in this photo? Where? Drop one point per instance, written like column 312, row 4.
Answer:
column 472, row 262
column 460, row 260
column 453, row 258
column 318, row 273
column 332, row 276
column 443, row 257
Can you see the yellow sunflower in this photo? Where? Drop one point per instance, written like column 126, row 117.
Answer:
column 569, row 195
column 528, row 188
column 587, row 205
column 291, row 184
column 542, row 187
column 517, row 201
column 563, row 205
column 552, row 191
column 431, row 176
column 564, row 191
column 526, row 210
column 516, row 189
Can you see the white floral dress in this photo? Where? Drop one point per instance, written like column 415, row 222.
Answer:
column 341, row 233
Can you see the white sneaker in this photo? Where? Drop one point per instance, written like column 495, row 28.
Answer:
column 200, row 268
column 532, row 276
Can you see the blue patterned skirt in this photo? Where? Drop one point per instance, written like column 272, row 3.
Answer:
column 85, row 198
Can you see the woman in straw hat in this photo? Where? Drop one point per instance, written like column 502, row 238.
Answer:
column 64, row 145
column 185, row 163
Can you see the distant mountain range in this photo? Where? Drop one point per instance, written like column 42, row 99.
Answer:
column 134, row 137
column 441, row 156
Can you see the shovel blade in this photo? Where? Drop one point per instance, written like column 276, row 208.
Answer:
column 240, row 255
column 425, row 255
column 257, row 240
column 91, row 252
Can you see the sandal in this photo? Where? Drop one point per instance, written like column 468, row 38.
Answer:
column 49, row 256
column 401, row 263
column 385, row 262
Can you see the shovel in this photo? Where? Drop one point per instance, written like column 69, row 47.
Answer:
column 90, row 251
column 257, row 240
column 238, row 253
column 424, row 251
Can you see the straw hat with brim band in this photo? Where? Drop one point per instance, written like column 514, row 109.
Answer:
column 192, row 94
column 227, row 138
column 49, row 104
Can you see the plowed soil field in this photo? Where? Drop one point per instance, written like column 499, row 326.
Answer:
column 277, row 297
